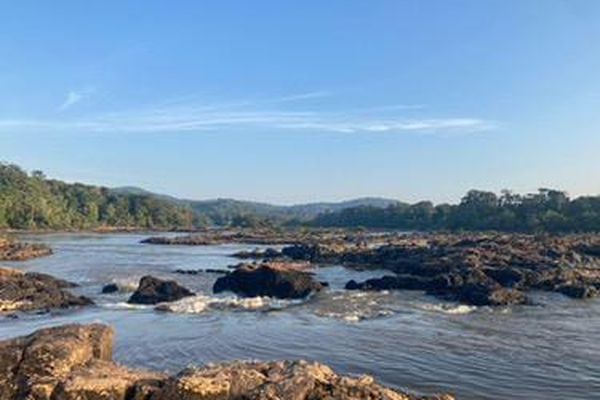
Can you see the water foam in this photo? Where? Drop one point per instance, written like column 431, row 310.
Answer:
column 201, row 303
column 449, row 308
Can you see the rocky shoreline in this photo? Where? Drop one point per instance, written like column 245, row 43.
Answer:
column 13, row 250
column 74, row 362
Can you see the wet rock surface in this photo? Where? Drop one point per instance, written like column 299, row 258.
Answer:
column 110, row 288
column 280, row 280
column 13, row 250
column 152, row 290
column 30, row 291
column 74, row 362
column 478, row 269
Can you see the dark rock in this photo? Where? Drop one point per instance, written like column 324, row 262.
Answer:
column 268, row 280
column 29, row 291
column 579, row 291
column 110, row 288
column 267, row 254
column 407, row 282
column 485, row 295
column 152, row 290
column 507, row 277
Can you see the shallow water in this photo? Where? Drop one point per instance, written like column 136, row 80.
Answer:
column 405, row 339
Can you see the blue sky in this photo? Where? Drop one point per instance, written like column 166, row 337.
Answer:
column 294, row 101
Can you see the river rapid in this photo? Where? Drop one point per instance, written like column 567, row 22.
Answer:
column 405, row 339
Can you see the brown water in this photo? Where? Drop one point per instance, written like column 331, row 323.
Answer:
column 405, row 339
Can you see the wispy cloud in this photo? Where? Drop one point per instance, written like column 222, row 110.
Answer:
column 265, row 114
column 74, row 97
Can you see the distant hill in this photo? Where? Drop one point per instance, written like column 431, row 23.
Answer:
column 222, row 211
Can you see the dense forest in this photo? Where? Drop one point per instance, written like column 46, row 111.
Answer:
column 545, row 211
column 31, row 201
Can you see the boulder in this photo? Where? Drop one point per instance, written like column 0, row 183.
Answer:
column 110, row 288
column 29, row 291
column 152, row 290
column 272, row 280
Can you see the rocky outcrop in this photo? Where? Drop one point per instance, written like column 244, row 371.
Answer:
column 480, row 269
column 74, row 362
column 223, row 236
column 30, row 291
column 285, row 380
column 13, row 250
column 152, row 290
column 280, row 280
column 473, row 289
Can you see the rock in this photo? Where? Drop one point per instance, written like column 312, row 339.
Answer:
column 74, row 362
column 71, row 362
column 29, row 291
column 579, row 291
column 407, row 282
column 285, row 380
column 485, row 295
column 198, row 271
column 13, row 250
column 106, row 380
column 272, row 280
column 474, row 268
column 152, row 290
column 267, row 254
column 110, row 288
column 507, row 277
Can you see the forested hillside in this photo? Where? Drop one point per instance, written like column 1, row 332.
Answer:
column 545, row 211
column 31, row 201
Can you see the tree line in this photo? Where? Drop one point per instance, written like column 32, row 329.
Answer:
column 31, row 201
column 547, row 210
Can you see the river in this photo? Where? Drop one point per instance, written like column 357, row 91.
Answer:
column 405, row 339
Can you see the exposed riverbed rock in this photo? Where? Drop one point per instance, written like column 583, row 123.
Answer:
column 479, row 269
column 152, row 290
column 13, row 250
column 30, row 291
column 74, row 362
column 222, row 236
column 280, row 280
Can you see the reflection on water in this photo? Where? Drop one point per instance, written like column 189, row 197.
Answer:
column 405, row 339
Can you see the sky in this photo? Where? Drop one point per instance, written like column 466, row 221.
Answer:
column 308, row 100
